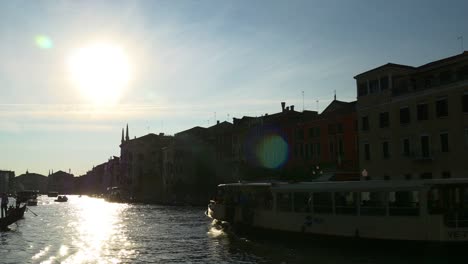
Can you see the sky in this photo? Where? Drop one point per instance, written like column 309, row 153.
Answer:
column 192, row 63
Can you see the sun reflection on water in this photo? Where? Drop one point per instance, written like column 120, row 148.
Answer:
column 92, row 232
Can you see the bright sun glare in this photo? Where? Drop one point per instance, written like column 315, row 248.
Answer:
column 100, row 71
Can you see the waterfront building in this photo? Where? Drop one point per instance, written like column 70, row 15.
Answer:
column 413, row 121
column 261, row 145
column 31, row 181
column 141, row 165
column 61, row 182
column 325, row 145
column 6, row 181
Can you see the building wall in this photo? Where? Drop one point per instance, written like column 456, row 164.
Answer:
column 5, row 180
column 419, row 90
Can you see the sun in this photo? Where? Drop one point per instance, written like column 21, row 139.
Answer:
column 100, row 71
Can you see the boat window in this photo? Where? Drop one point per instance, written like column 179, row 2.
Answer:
column 453, row 203
column 373, row 203
column 345, row 203
column 404, row 203
column 265, row 200
column 301, row 202
column 283, row 202
column 434, row 201
column 323, row 203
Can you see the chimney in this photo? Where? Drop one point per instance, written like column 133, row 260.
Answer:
column 287, row 108
column 217, row 122
column 161, row 134
column 292, row 107
column 283, row 104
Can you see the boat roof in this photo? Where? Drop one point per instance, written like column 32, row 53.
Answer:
column 351, row 185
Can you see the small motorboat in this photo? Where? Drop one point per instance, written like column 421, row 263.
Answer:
column 61, row 198
column 13, row 214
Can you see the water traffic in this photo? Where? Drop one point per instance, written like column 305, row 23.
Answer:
column 90, row 230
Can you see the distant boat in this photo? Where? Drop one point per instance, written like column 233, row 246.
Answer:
column 14, row 214
column 32, row 202
column 52, row 194
column 61, row 199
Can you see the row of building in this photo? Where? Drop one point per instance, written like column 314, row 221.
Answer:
column 407, row 123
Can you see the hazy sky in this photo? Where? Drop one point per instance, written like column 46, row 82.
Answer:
column 192, row 59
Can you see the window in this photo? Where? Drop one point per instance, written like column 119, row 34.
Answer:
column 445, row 77
column 373, row 203
column 384, row 120
column 283, row 202
column 311, row 150
column 384, row 83
column 339, row 128
column 385, row 150
column 345, row 203
column 446, row 174
column 299, row 133
column 422, row 112
column 301, row 202
column 323, row 202
column 317, row 149
column 462, row 73
column 404, row 115
column 425, row 146
column 465, row 102
column 331, row 129
column 403, row 203
column 373, row 86
column 340, row 147
column 429, row 81
column 366, row 151
column 442, row 107
column 314, row 132
column 406, row 147
column 365, row 123
column 444, row 142
column 332, row 149
column 362, row 89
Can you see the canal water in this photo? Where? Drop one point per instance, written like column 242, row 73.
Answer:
column 91, row 230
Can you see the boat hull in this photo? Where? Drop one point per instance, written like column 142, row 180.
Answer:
column 14, row 214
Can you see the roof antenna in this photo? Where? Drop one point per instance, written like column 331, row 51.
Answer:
column 461, row 43
column 334, row 98
column 302, row 101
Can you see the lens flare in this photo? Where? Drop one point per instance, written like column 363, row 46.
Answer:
column 272, row 151
column 44, row 42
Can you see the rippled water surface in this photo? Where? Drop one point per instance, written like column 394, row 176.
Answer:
column 90, row 230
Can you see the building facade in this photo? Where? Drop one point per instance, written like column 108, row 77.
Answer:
column 141, row 165
column 6, row 181
column 413, row 121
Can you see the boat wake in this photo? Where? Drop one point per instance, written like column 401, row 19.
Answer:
column 217, row 229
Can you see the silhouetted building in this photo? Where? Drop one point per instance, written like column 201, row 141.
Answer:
column 61, row 182
column 326, row 144
column 141, row 165
column 6, row 181
column 31, row 181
